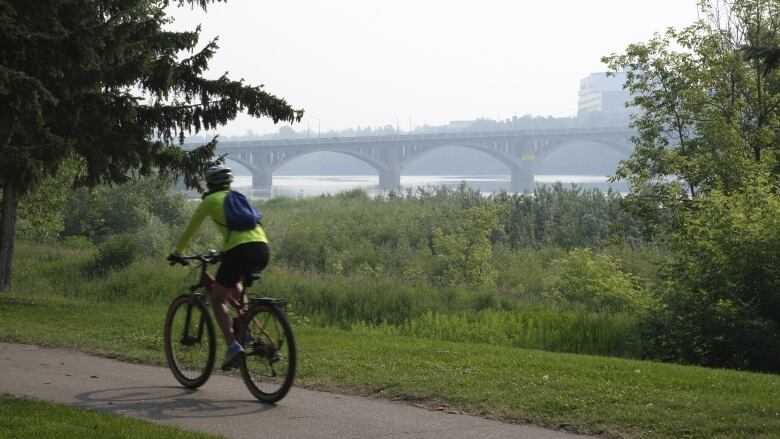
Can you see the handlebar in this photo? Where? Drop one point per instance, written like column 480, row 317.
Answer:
column 212, row 257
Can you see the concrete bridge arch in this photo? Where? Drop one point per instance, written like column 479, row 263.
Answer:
column 381, row 168
column 262, row 169
column 624, row 148
column 521, row 172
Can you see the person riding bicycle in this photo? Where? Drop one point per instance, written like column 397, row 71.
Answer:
column 244, row 251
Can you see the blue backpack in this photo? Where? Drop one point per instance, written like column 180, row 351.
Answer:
column 239, row 213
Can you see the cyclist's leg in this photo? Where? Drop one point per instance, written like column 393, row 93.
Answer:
column 235, row 263
column 219, row 295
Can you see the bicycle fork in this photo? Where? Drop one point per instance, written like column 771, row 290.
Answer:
column 186, row 338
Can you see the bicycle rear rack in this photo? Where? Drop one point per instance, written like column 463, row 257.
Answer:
column 278, row 301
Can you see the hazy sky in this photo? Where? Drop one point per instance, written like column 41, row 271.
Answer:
column 367, row 63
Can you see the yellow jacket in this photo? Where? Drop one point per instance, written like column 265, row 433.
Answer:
column 213, row 206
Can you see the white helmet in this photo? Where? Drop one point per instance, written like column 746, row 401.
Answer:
column 218, row 175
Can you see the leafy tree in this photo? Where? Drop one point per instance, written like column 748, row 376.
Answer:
column 706, row 170
column 564, row 217
column 708, row 108
column 104, row 82
column 42, row 209
column 721, row 296
column 468, row 253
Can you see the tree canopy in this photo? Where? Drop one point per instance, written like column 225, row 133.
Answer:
column 105, row 82
column 707, row 105
column 705, row 175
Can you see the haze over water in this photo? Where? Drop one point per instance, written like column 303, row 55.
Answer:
column 314, row 185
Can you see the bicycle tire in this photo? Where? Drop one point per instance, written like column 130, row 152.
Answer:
column 188, row 358
column 268, row 372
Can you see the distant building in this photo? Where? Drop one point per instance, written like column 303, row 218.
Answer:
column 602, row 100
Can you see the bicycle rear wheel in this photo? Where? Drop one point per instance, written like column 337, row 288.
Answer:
column 268, row 367
column 190, row 343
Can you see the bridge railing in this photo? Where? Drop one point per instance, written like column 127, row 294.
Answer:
column 427, row 136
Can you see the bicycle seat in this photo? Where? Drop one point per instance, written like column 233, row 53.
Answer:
column 250, row 277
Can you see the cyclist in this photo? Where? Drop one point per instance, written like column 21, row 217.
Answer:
column 243, row 252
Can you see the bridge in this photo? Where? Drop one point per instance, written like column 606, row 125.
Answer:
column 389, row 155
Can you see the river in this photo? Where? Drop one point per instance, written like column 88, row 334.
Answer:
column 315, row 185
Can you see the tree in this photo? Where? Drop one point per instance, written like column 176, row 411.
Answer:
column 104, row 82
column 468, row 253
column 706, row 171
column 707, row 107
column 721, row 290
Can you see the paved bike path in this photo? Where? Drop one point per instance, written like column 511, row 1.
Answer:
column 225, row 407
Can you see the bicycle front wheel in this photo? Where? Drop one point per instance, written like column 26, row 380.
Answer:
column 190, row 343
column 268, row 366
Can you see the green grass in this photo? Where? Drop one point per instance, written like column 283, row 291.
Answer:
column 624, row 398
column 26, row 418
column 445, row 348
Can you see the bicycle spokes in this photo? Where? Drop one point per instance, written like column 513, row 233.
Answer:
column 189, row 341
column 269, row 365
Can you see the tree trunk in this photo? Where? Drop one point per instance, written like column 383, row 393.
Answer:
column 8, row 212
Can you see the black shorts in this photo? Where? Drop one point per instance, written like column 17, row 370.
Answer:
column 241, row 259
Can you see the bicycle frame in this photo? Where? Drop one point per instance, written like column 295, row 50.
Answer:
column 206, row 281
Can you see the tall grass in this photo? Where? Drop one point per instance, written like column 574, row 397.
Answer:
column 530, row 327
column 363, row 304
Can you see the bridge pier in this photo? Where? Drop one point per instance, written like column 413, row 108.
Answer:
column 389, row 179
column 522, row 180
column 262, row 180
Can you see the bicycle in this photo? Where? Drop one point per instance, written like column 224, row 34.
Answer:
column 260, row 325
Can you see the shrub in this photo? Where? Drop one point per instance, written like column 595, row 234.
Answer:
column 721, row 291
column 117, row 252
column 594, row 282
column 468, row 253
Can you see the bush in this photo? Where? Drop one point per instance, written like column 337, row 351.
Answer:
column 108, row 210
column 720, row 300
column 594, row 282
column 117, row 252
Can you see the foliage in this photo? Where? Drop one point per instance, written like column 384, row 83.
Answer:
column 708, row 112
column 530, row 327
column 704, row 178
column 595, row 282
column 468, row 252
column 106, row 83
column 41, row 210
column 379, row 303
column 566, row 217
column 142, row 214
column 349, row 234
column 108, row 210
column 117, row 252
column 74, row 77
column 721, row 297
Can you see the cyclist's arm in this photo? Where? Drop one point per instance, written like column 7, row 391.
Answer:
column 197, row 219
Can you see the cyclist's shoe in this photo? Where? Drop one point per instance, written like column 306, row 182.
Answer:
column 231, row 355
column 249, row 339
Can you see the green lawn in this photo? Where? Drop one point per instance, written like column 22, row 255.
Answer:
column 26, row 418
column 624, row 398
